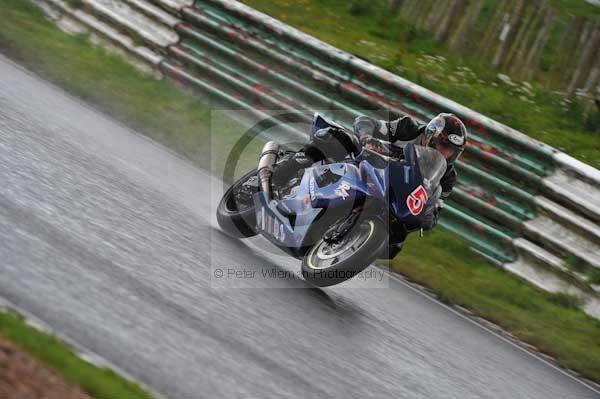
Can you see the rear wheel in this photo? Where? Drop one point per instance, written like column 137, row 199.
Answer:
column 235, row 213
column 328, row 263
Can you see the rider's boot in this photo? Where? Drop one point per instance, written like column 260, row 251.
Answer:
column 393, row 250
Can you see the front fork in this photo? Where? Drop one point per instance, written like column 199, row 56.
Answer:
column 339, row 230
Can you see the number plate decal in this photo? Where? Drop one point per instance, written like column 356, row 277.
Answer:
column 416, row 200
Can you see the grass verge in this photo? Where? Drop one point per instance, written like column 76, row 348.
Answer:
column 179, row 120
column 99, row 382
column 368, row 30
column 550, row 322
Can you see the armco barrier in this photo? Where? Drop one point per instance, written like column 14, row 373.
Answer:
column 522, row 204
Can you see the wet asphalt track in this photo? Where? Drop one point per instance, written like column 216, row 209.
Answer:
column 109, row 238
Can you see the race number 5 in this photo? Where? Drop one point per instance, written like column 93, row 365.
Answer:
column 416, row 200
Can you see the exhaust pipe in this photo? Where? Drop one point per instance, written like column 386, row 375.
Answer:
column 265, row 166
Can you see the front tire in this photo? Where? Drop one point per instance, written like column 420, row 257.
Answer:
column 237, row 219
column 327, row 264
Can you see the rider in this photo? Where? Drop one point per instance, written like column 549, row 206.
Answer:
column 445, row 132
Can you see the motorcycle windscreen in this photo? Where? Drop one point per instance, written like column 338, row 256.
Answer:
column 414, row 180
column 432, row 166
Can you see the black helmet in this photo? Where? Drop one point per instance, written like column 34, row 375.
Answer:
column 448, row 135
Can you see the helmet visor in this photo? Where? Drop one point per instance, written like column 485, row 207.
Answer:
column 434, row 128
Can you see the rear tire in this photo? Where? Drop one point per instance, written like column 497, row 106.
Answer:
column 235, row 220
column 325, row 264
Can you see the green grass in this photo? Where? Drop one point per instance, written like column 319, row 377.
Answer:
column 368, row 30
column 100, row 383
column 576, row 8
column 550, row 322
column 177, row 119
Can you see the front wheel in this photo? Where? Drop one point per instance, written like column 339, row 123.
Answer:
column 327, row 264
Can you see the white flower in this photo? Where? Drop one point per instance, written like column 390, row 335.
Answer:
column 505, row 79
column 366, row 43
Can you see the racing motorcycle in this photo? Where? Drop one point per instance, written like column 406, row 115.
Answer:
column 338, row 216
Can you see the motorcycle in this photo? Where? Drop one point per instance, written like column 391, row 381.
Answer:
column 338, row 216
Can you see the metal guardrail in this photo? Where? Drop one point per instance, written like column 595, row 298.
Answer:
column 519, row 202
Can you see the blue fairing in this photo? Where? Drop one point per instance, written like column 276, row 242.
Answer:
column 276, row 226
column 347, row 187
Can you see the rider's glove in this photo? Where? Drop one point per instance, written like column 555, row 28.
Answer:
column 432, row 215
